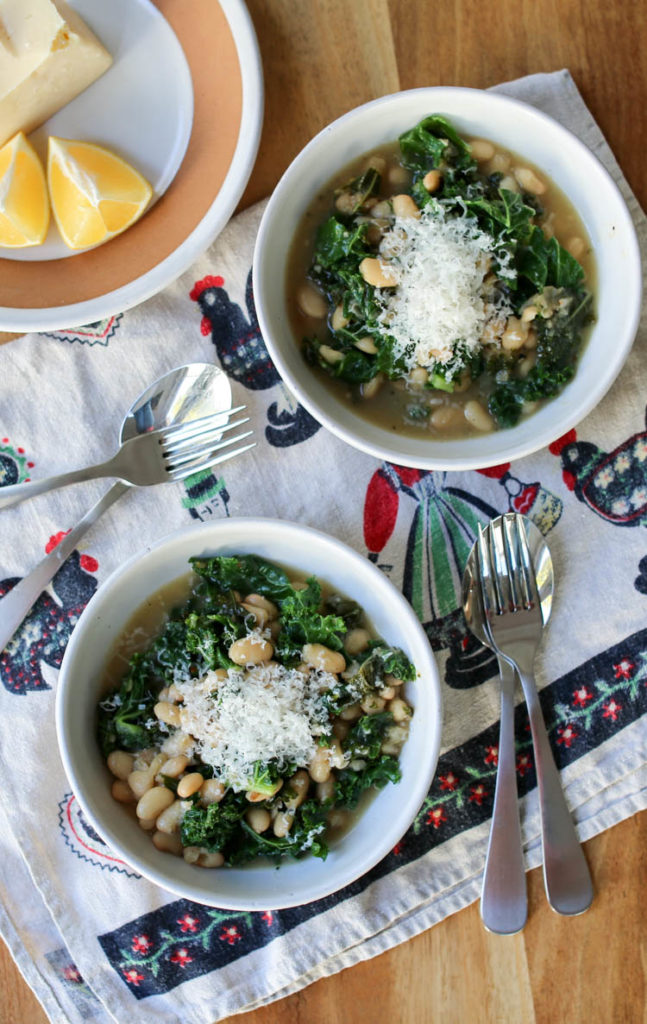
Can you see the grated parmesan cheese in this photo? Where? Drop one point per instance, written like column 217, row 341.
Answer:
column 441, row 300
column 262, row 713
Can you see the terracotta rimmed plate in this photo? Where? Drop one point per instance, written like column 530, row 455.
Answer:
column 199, row 173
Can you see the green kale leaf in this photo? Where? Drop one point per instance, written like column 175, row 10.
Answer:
column 212, row 827
column 431, row 142
column 349, row 785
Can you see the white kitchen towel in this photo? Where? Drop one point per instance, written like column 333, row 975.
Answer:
column 95, row 941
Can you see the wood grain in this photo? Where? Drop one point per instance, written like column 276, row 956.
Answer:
column 321, row 58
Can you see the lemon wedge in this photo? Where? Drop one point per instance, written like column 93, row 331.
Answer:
column 95, row 194
column 24, row 205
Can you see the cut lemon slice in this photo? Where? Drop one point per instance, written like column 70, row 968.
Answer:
column 95, row 194
column 24, row 205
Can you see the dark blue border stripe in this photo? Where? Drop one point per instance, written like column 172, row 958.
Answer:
column 584, row 708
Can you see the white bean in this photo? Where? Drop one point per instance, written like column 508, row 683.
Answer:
column 210, row 860
column 189, row 785
column 121, row 764
column 370, row 388
column 258, row 818
column 154, row 801
column 171, row 817
column 432, row 180
column 262, row 602
column 141, row 780
column 250, row 650
column 174, row 766
column 445, row 417
column 366, row 345
column 320, row 767
column 405, row 207
column 298, row 785
column 339, row 320
column 167, row 843
column 529, row 181
column 372, row 704
column 331, row 355
column 282, row 823
column 378, row 273
column 212, row 792
column 481, row 150
column 321, row 657
column 476, row 415
column 311, row 302
column 400, row 710
column 122, row 792
column 397, row 175
column 166, row 712
column 357, row 640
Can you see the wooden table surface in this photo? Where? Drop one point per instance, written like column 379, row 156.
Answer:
column 321, row 58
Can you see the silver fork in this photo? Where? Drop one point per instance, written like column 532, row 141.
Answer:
column 188, row 451
column 170, row 453
column 514, row 620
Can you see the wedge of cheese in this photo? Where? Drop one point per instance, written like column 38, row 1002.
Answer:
column 48, row 55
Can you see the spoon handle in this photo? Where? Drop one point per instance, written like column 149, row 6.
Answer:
column 504, row 900
column 567, row 878
column 17, row 604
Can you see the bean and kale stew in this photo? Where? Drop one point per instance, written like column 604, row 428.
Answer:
column 257, row 718
column 442, row 284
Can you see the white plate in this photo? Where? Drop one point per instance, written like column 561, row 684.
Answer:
column 184, row 103
column 141, row 108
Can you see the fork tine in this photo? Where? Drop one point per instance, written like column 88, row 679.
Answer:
column 179, row 431
column 204, row 437
column 201, row 467
column 501, row 572
column 488, row 594
column 197, row 457
column 526, row 569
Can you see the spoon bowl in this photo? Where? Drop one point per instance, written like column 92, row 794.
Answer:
column 182, row 395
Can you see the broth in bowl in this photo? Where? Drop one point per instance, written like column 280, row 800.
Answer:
column 442, row 285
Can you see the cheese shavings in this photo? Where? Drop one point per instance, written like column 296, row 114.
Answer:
column 441, row 306
column 263, row 713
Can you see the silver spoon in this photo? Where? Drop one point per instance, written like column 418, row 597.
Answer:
column 187, row 393
column 504, row 901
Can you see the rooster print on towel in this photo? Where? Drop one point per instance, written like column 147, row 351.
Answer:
column 244, row 357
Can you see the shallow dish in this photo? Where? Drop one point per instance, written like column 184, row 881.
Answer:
column 543, row 142
column 386, row 818
column 165, row 126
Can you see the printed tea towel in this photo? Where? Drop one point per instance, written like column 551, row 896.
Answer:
column 95, row 941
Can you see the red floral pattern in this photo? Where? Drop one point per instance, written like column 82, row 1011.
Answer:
column 566, row 734
column 141, row 944
column 581, row 697
column 188, row 923
column 436, row 817
column 181, row 957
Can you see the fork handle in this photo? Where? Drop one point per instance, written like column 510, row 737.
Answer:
column 14, row 493
column 567, row 878
column 17, row 604
column 504, row 900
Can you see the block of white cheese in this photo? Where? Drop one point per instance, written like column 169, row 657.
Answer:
column 48, row 55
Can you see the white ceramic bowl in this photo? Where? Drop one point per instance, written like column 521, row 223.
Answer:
column 542, row 141
column 249, row 888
